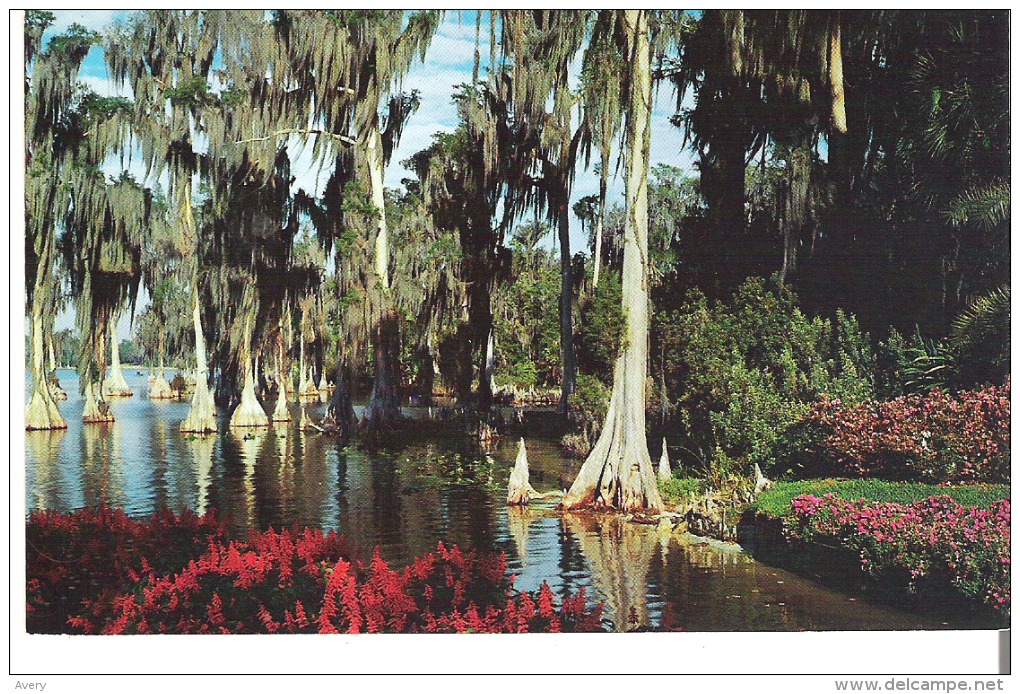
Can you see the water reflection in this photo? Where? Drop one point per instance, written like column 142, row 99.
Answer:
column 422, row 491
column 519, row 520
column 200, row 451
column 101, row 473
column 46, row 490
column 620, row 556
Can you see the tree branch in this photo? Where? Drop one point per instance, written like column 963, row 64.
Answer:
column 296, row 131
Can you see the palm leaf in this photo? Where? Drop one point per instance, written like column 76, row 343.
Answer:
column 983, row 315
column 986, row 206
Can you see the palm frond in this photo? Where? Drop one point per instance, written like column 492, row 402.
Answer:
column 983, row 315
column 986, row 206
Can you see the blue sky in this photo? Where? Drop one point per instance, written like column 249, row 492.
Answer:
column 449, row 62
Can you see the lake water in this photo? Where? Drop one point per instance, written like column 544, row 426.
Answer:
column 407, row 499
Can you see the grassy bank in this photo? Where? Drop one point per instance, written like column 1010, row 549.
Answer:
column 775, row 502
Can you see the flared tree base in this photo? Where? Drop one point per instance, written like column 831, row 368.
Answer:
column 159, row 389
column 43, row 415
column 380, row 420
column 305, row 422
column 201, row 418
column 249, row 413
column 308, row 389
column 618, row 473
column 116, row 386
column 96, row 412
column 281, row 413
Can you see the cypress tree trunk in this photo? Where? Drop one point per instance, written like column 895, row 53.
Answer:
column 42, row 411
column 384, row 407
column 115, row 385
column 249, row 412
column 566, row 306
column 56, row 391
column 202, row 415
column 340, row 415
column 306, row 388
column 281, row 413
column 484, row 334
column 618, row 473
column 96, row 409
column 159, row 389
column 426, row 374
column 490, row 360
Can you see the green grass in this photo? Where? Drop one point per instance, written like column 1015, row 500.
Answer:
column 675, row 491
column 775, row 502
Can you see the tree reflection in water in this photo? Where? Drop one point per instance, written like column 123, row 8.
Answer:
column 43, row 449
column 519, row 520
column 619, row 554
column 101, row 475
column 200, row 449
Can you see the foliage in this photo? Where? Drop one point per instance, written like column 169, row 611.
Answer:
column 936, row 436
column 741, row 374
column 599, row 338
column 292, row 581
column 775, row 501
column 587, row 414
column 925, row 365
column 98, row 553
column 67, row 345
column 676, row 491
column 931, row 542
column 981, row 337
column 526, row 326
column 131, row 352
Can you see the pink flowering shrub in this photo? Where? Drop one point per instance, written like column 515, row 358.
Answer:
column 935, row 540
column 286, row 582
column 934, row 437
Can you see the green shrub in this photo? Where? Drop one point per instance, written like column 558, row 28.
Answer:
column 741, row 375
column 676, row 491
column 520, row 374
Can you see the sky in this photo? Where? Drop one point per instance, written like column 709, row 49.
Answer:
column 449, row 62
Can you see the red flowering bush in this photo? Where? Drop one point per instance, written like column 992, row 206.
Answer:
column 936, row 540
column 310, row 582
column 935, row 437
column 97, row 552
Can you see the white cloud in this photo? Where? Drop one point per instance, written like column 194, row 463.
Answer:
column 448, row 50
column 416, row 137
column 461, row 25
column 104, row 86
